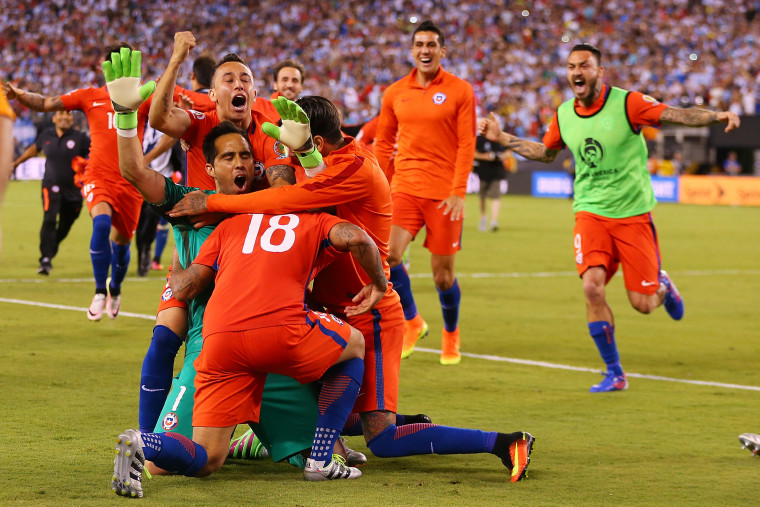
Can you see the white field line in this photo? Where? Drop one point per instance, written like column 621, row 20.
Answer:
column 485, row 357
column 536, row 274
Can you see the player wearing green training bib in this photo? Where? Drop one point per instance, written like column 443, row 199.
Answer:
column 613, row 194
column 288, row 413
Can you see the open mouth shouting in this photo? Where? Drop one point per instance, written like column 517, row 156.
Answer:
column 241, row 183
column 239, row 102
column 580, row 87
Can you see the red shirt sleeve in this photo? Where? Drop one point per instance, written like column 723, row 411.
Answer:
column 73, row 100
column 553, row 138
column 643, row 110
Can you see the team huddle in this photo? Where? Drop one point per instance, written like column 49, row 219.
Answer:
column 287, row 285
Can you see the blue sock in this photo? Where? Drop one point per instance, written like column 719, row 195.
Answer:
column 603, row 334
column 174, row 453
column 100, row 250
column 336, row 399
column 414, row 439
column 119, row 263
column 353, row 426
column 450, row 306
column 162, row 233
column 156, row 377
column 402, row 285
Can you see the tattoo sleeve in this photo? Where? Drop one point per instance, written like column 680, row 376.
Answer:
column 529, row 149
column 363, row 249
column 37, row 102
column 281, row 175
column 689, row 117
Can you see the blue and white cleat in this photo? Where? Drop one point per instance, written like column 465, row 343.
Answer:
column 129, row 465
column 673, row 302
column 750, row 441
column 610, row 383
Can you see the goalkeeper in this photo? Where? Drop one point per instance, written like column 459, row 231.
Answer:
column 288, row 414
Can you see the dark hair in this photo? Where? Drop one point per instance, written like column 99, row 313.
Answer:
column 224, row 128
column 115, row 48
column 203, row 68
column 324, row 117
column 289, row 64
column 584, row 46
column 229, row 57
column 429, row 26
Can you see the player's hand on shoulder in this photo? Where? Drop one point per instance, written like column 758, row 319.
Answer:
column 11, row 92
column 193, row 203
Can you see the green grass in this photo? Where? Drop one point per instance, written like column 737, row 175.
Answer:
column 70, row 385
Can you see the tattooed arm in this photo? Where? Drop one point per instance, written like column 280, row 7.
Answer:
column 699, row 118
column 33, row 101
column 348, row 237
column 281, row 175
column 489, row 127
column 188, row 283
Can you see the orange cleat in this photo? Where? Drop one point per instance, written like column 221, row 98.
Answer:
column 519, row 453
column 414, row 330
column 450, row 347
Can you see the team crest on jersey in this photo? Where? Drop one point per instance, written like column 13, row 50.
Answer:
column 579, row 258
column 171, row 420
column 280, row 150
column 592, row 152
column 167, row 295
column 70, row 144
column 649, row 98
column 198, row 115
column 258, row 170
column 439, row 98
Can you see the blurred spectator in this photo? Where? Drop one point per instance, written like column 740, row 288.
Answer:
column 685, row 52
column 731, row 165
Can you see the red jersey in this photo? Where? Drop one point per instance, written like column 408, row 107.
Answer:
column 641, row 110
column 266, row 108
column 264, row 265
column 367, row 133
column 435, row 130
column 352, row 182
column 96, row 105
column 266, row 151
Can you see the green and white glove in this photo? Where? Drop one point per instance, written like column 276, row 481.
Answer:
column 122, row 75
column 294, row 133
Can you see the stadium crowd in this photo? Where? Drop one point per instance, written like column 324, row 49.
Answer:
column 684, row 52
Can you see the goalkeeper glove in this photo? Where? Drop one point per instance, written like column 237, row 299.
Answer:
column 294, row 133
column 122, row 75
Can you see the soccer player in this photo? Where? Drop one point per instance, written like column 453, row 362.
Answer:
column 613, row 195
column 269, row 332
column 61, row 198
column 6, row 146
column 345, row 175
column 288, row 76
column 113, row 203
column 431, row 114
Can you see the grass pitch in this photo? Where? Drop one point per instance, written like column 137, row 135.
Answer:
column 70, row 385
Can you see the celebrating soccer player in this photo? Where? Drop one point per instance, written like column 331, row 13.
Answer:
column 613, row 196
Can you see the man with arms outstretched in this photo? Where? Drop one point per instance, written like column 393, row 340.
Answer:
column 613, row 196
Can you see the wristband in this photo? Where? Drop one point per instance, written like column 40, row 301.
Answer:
column 310, row 159
column 126, row 121
column 126, row 132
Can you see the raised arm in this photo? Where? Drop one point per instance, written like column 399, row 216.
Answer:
column 489, row 127
column 33, row 101
column 699, row 118
column 164, row 115
column 122, row 75
column 347, row 237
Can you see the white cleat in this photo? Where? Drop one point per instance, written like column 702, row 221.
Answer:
column 750, row 441
column 113, row 305
column 95, row 311
column 336, row 469
column 128, row 465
